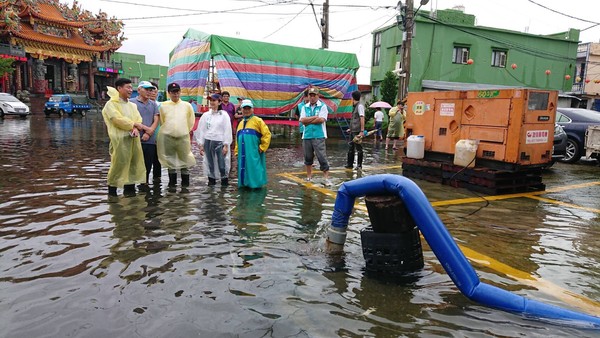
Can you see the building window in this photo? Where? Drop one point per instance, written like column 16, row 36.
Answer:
column 499, row 58
column 377, row 49
column 460, row 55
column 135, row 79
column 399, row 50
column 376, row 89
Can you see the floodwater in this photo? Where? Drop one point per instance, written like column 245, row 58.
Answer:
column 219, row 262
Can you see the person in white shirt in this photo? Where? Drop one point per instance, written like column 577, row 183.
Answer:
column 378, row 124
column 214, row 139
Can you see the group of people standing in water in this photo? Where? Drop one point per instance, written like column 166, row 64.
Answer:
column 146, row 135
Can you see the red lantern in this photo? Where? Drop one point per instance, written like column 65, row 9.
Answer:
column 470, row 61
column 587, row 80
column 514, row 66
column 548, row 72
column 567, row 77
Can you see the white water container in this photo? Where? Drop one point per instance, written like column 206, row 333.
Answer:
column 464, row 153
column 415, row 147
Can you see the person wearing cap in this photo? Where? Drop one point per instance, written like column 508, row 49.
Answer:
column 238, row 112
column 149, row 112
column 299, row 109
column 123, row 122
column 357, row 127
column 395, row 130
column 313, row 116
column 253, row 138
column 214, row 137
column 173, row 140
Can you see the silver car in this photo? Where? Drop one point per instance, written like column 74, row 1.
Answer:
column 10, row 105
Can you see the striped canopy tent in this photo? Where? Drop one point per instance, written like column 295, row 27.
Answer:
column 273, row 76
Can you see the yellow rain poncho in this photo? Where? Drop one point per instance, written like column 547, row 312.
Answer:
column 126, row 156
column 173, row 142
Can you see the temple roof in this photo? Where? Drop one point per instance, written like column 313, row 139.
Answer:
column 49, row 13
column 75, row 41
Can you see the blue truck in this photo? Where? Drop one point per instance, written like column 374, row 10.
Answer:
column 67, row 104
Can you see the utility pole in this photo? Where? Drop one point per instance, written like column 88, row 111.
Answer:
column 408, row 24
column 325, row 26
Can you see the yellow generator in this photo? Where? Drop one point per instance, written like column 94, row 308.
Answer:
column 514, row 127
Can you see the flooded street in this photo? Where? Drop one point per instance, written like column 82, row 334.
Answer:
column 220, row 262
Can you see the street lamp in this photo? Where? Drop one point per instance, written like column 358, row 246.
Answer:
column 140, row 68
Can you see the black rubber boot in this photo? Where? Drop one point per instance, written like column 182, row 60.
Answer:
column 225, row 181
column 360, row 160
column 212, row 181
column 112, row 191
column 350, row 160
column 129, row 190
column 185, row 180
column 172, row 180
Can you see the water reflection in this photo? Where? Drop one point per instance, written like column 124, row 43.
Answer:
column 249, row 213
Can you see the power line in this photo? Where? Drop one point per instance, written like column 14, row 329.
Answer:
column 287, row 23
column 564, row 14
column 359, row 37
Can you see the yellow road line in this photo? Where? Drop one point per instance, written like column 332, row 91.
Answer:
column 565, row 204
column 575, row 300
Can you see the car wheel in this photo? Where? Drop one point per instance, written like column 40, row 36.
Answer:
column 61, row 112
column 1, row 113
column 572, row 153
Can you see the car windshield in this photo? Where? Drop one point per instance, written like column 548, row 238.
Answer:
column 54, row 98
column 8, row 98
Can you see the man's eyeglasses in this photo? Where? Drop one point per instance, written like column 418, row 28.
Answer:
column 150, row 89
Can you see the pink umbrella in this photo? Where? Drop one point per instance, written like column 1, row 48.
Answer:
column 380, row 104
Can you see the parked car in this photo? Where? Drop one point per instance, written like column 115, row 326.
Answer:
column 575, row 122
column 67, row 103
column 559, row 148
column 10, row 105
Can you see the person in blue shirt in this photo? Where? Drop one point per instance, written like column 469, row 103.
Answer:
column 313, row 116
column 150, row 116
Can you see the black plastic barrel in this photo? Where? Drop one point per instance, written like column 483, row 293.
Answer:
column 392, row 245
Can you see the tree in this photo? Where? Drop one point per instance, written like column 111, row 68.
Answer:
column 6, row 65
column 389, row 88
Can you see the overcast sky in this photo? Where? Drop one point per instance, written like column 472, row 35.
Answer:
column 153, row 28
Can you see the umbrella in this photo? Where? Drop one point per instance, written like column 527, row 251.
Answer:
column 380, row 104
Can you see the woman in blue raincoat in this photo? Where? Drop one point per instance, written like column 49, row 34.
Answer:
column 253, row 139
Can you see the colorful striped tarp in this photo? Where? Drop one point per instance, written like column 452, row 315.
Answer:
column 273, row 76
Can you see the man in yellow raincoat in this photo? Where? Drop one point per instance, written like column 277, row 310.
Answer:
column 173, row 142
column 126, row 157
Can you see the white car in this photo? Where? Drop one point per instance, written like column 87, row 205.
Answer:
column 10, row 105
